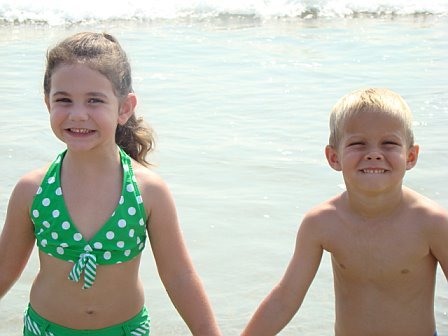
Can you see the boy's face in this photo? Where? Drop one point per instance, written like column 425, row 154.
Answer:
column 373, row 153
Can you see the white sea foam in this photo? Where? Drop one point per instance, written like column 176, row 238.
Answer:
column 56, row 12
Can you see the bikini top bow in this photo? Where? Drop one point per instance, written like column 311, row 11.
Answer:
column 87, row 264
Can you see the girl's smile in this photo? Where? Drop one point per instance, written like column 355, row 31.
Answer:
column 79, row 130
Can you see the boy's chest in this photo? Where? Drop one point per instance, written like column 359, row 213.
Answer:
column 379, row 254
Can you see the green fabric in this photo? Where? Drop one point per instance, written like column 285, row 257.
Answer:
column 35, row 325
column 120, row 239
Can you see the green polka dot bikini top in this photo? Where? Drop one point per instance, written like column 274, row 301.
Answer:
column 120, row 239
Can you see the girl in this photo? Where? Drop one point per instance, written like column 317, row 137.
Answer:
column 90, row 209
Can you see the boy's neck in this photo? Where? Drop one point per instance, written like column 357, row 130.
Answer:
column 374, row 206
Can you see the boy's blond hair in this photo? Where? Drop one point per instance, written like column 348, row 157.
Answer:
column 378, row 100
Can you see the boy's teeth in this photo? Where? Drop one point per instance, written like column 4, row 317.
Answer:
column 373, row 171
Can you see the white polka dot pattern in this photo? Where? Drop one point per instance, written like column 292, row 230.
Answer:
column 120, row 239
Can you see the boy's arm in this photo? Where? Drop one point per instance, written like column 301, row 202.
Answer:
column 17, row 237
column 439, row 237
column 175, row 266
column 279, row 307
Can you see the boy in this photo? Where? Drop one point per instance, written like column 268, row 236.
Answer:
column 385, row 239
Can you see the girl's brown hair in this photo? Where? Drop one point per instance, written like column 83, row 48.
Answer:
column 102, row 52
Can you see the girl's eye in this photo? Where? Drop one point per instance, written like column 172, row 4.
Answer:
column 356, row 143
column 62, row 100
column 95, row 101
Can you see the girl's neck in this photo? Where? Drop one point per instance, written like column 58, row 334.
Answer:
column 92, row 162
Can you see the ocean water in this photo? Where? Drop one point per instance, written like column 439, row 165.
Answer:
column 239, row 94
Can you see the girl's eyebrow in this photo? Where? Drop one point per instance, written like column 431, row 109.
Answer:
column 63, row 93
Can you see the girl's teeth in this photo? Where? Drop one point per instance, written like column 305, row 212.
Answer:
column 79, row 130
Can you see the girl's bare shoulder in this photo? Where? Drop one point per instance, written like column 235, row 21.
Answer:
column 152, row 187
column 26, row 187
column 147, row 178
column 30, row 181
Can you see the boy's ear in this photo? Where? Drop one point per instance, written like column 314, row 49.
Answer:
column 332, row 158
column 127, row 108
column 412, row 157
column 47, row 103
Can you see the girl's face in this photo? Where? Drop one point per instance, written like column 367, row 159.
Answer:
column 84, row 110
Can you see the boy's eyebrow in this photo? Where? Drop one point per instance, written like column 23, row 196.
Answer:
column 95, row 94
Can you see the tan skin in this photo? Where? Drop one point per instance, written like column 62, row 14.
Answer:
column 385, row 245
column 117, row 294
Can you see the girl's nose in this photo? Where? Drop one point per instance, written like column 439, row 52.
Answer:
column 78, row 113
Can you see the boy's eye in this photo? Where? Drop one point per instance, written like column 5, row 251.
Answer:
column 356, row 143
column 391, row 143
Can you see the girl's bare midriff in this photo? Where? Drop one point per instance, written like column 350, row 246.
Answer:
column 116, row 296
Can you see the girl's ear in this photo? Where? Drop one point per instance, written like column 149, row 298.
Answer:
column 332, row 158
column 127, row 108
column 412, row 157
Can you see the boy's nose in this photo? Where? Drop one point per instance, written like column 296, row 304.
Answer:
column 374, row 155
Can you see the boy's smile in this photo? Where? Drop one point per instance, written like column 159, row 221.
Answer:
column 373, row 171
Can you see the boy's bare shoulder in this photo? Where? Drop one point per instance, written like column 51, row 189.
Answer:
column 323, row 219
column 325, row 211
column 432, row 221
column 426, row 210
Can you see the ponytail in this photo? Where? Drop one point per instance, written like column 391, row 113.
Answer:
column 136, row 138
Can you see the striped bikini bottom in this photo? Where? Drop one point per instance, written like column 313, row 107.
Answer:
column 35, row 325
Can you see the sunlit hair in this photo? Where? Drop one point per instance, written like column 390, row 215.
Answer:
column 377, row 100
column 103, row 53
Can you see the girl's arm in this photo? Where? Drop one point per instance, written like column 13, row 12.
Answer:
column 174, row 264
column 17, row 237
column 279, row 307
